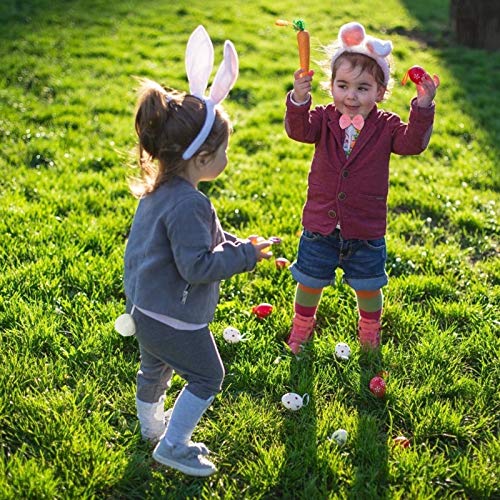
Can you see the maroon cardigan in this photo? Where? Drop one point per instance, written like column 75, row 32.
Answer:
column 353, row 191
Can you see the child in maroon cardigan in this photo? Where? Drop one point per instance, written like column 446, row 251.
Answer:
column 344, row 217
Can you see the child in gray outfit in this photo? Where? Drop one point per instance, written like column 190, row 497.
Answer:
column 177, row 254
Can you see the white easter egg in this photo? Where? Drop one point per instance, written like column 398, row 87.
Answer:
column 125, row 325
column 232, row 335
column 342, row 350
column 292, row 401
column 340, row 437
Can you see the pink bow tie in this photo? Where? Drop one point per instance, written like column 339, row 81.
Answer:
column 358, row 122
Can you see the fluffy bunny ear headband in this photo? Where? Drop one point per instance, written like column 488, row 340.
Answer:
column 353, row 38
column 199, row 65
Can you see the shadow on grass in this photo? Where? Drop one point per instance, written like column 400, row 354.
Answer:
column 300, row 473
column 477, row 71
column 143, row 477
column 137, row 477
column 20, row 17
column 370, row 453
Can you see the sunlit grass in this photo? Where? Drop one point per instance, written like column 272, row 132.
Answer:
column 67, row 417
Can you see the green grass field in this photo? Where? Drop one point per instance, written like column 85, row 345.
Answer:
column 67, row 404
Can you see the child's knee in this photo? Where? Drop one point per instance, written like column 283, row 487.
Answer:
column 208, row 385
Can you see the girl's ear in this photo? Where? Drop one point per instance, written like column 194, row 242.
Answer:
column 202, row 159
column 380, row 93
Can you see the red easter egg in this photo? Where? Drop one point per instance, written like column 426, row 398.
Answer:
column 377, row 387
column 262, row 310
column 282, row 262
column 402, row 441
column 416, row 73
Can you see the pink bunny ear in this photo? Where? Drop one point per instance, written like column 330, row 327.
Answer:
column 351, row 34
column 199, row 61
column 227, row 74
column 353, row 39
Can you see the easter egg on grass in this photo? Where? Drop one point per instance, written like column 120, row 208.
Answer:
column 294, row 401
column 232, row 335
column 342, row 351
column 377, row 386
column 402, row 441
column 262, row 310
column 340, row 437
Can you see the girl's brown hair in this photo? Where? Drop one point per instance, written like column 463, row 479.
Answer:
column 361, row 62
column 356, row 60
column 166, row 122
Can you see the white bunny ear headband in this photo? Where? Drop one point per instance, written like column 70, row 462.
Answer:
column 199, row 65
column 353, row 38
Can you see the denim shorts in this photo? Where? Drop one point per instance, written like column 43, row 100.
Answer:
column 363, row 261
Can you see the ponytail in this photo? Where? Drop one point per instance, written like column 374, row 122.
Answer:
column 166, row 122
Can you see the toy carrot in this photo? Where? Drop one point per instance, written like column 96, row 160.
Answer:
column 303, row 41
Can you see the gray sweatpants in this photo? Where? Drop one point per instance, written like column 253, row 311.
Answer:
column 191, row 354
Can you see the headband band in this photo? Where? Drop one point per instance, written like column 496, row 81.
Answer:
column 204, row 132
column 353, row 39
column 199, row 65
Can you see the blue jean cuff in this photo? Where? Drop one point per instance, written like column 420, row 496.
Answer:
column 368, row 284
column 306, row 280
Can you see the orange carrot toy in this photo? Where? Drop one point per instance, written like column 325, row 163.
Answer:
column 303, row 42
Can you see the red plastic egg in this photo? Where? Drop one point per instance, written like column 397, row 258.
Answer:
column 402, row 441
column 262, row 310
column 415, row 74
column 282, row 262
column 377, row 387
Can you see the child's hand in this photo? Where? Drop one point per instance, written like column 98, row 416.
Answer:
column 260, row 244
column 426, row 90
column 260, row 247
column 302, row 86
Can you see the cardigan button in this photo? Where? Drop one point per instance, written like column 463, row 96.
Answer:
column 332, row 214
column 345, row 173
column 342, row 196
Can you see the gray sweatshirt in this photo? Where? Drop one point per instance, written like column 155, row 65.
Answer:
column 177, row 254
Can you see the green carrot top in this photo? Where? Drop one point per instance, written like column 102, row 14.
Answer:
column 299, row 25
